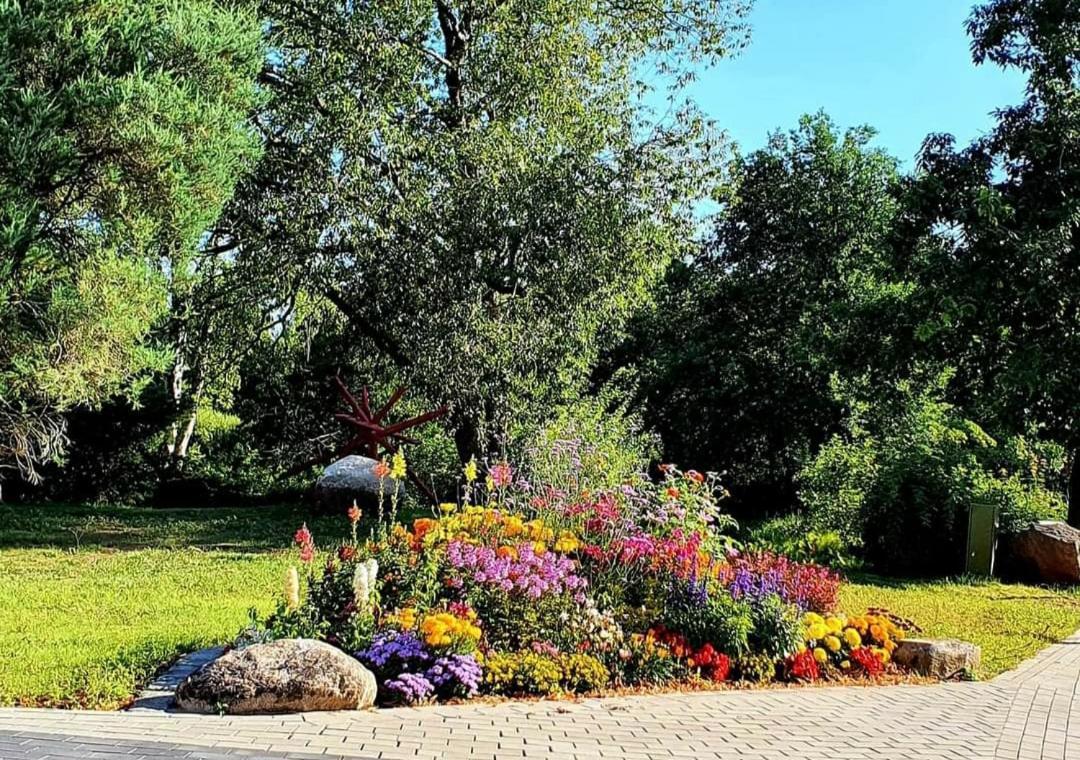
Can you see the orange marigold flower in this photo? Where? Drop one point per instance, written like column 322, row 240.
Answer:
column 672, row 492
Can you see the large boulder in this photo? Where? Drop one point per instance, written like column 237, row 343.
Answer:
column 1048, row 552
column 939, row 658
column 290, row 675
column 350, row 479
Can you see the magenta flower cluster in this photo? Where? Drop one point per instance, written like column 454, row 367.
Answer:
column 529, row 572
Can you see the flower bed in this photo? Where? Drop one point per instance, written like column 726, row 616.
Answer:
column 535, row 589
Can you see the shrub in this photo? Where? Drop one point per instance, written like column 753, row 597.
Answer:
column 903, row 480
column 793, row 537
column 776, row 628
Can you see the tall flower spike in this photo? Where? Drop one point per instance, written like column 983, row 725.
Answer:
column 292, row 589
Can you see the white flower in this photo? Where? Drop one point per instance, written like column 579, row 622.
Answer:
column 364, row 582
column 292, row 588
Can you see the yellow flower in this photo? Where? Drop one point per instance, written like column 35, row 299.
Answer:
column 834, row 624
column 821, row 656
column 567, row 542
column 817, row 631
column 846, row 665
column 397, row 466
column 447, row 507
column 852, row 638
column 470, row 470
column 832, row 643
column 812, row 618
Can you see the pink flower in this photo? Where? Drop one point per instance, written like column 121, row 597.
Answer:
column 501, row 474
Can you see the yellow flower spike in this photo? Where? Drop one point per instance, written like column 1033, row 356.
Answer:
column 470, row 470
column 398, row 466
column 447, row 507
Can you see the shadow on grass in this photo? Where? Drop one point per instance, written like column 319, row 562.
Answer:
column 81, row 527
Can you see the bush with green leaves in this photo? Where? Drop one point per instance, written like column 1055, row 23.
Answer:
column 908, row 469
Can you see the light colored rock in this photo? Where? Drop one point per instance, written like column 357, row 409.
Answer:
column 1048, row 551
column 350, row 479
column 939, row 658
column 289, row 675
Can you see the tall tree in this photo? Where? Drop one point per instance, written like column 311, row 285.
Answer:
column 795, row 283
column 1001, row 272
column 475, row 184
column 122, row 132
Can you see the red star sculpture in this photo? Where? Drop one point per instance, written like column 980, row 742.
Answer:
column 370, row 431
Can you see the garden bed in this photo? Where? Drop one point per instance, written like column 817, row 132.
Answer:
column 534, row 587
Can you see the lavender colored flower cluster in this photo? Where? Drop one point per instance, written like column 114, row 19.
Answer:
column 394, row 652
column 455, row 676
column 409, row 688
column 752, row 586
column 528, row 572
column 410, row 674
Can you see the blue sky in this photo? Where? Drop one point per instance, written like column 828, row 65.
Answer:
column 902, row 66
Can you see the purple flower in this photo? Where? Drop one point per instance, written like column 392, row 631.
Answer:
column 409, row 688
column 394, row 652
column 455, row 676
column 529, row 573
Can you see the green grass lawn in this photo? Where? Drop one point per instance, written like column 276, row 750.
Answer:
column 86, row 626
column 1011, row 622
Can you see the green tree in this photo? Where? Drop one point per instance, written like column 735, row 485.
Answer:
column 1000, row 273
column 796, row 282
column 476, row 185
column 122, row 132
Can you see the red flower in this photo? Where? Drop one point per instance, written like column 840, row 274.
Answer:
column 867, row 661
column 695, row 477
column 346, row 552
column 673, row 493
column 803, row 667
column 666, row 468
column 721, row 668
column 306, row 543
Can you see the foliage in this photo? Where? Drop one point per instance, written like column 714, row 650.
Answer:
column 496, row 205
column 736, row 359
column 124, row 131
column 906, row 474
column 605, row 447
column 792, row 536
column 997, row 228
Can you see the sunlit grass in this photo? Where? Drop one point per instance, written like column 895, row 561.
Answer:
column 94, row 601
column 1011, row 622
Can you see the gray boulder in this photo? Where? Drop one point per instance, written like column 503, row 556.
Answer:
column 1047, row 551
column 939, row 658
column 290, row 675
column 350, row 479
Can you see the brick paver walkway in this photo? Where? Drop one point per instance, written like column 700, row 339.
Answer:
column 1031, row 712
